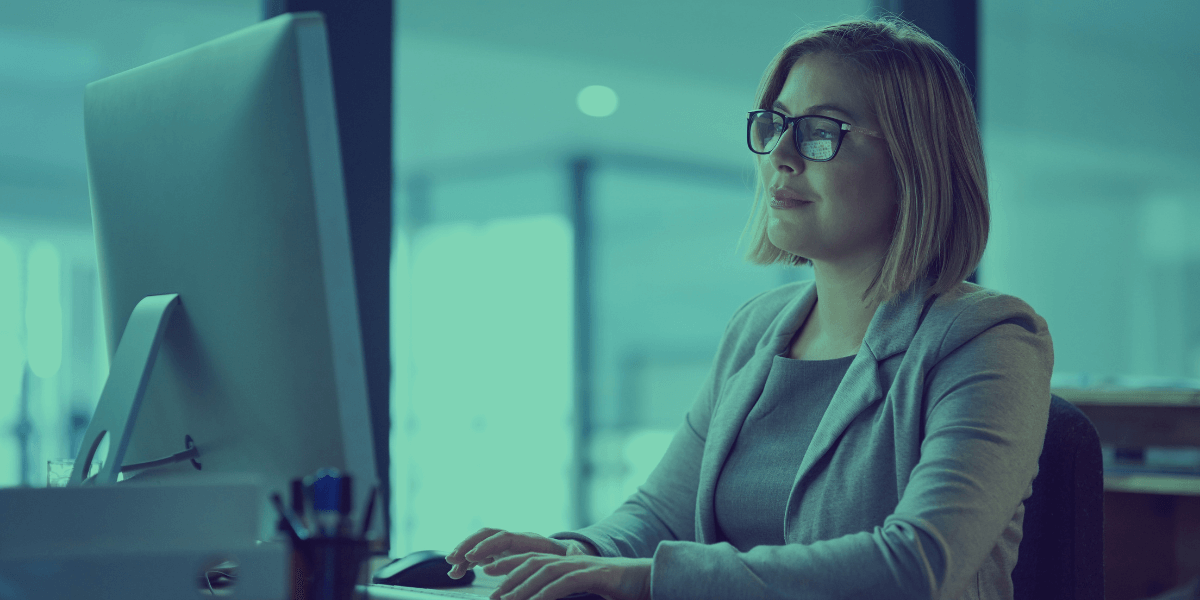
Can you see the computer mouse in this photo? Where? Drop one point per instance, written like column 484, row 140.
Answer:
column 421, row 569
column 429, row 569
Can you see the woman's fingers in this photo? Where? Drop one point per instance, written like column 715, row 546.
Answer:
column 457, row 571
column 558, row 585
column 456, row 555
column 482, row 548
column 489, row 544
column 526, row 573
column 534, row 576
column 497, row 546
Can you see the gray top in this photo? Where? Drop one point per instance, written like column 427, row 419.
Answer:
column 913, row 484
column 753, row 487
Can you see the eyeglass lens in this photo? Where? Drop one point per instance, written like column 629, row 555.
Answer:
column 819, row 136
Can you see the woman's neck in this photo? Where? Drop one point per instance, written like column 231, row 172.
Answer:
column 840, row 315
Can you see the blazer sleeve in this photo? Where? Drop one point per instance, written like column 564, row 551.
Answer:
column 664, row 507
column 987, row 403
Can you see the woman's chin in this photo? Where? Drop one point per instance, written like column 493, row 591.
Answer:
column 787, row 243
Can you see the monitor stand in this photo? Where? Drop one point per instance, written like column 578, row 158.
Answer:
column 117, row 410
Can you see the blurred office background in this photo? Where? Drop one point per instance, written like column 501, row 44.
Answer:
column 544, row 149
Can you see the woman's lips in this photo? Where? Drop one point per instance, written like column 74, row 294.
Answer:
column 783, row 202
column 784, row 198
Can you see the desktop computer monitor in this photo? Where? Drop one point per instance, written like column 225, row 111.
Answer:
column 215, row 174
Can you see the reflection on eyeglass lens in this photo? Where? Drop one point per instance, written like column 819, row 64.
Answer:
column 818, row 135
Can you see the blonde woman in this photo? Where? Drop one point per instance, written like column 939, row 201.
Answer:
column 872, row 433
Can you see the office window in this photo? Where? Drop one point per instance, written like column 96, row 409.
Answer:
column 12, row 363
column 483, row 345
column 667, row 276
column 1096, row 231
column 53, row 362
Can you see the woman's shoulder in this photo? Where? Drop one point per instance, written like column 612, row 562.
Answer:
column 968, row 309
column 974, row 302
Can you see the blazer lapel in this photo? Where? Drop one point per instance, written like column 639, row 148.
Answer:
column 738, row 396
column 890, row 332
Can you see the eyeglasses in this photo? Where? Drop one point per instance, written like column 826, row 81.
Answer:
column 816, row 138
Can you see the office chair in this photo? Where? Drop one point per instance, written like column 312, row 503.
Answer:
column 1061, row 556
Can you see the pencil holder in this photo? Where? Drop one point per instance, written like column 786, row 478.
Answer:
column 327, row 568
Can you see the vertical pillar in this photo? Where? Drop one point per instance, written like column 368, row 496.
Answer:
column 580, row 213
column 360, row 49
column 417, row 215
column 24, row 428
column 954, row 23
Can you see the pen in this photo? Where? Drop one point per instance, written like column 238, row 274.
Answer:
column 310, row 504
column 366, row 526
column 296, row 530
column 298, row 503
column 343, row 507
column 326, row 492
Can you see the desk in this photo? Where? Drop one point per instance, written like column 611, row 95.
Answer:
column 1132, row 418
column 1151, row 522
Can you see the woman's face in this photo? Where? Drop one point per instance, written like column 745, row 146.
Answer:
column 852, row 198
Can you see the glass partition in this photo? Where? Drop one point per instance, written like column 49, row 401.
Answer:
column 517, row 403
column 483, row 385
column 668, row 275
column 1094, row 225
column 53, row 361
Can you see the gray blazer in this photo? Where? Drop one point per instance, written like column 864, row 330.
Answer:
column 937, row 427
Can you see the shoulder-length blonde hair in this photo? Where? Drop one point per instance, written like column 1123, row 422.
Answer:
column 921, row 101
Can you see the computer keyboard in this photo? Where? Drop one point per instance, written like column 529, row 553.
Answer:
column 412, row 592
column 423, row 591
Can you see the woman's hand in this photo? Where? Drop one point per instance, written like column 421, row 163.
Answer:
column 534, row 576
column 488, row 544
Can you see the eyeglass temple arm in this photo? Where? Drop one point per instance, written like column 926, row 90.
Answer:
column 860, row 129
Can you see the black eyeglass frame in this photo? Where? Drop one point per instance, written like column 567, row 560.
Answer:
column 794, row 123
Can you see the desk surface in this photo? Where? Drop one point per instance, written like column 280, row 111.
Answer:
column 1129, row 397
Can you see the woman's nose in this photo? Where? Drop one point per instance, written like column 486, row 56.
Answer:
column 785, row 153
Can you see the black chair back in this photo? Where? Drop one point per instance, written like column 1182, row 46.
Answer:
column 1061, row 556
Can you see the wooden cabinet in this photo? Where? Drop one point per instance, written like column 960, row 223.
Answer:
column 1151, row 522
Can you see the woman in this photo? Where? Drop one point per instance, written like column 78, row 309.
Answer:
column 872, row 433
